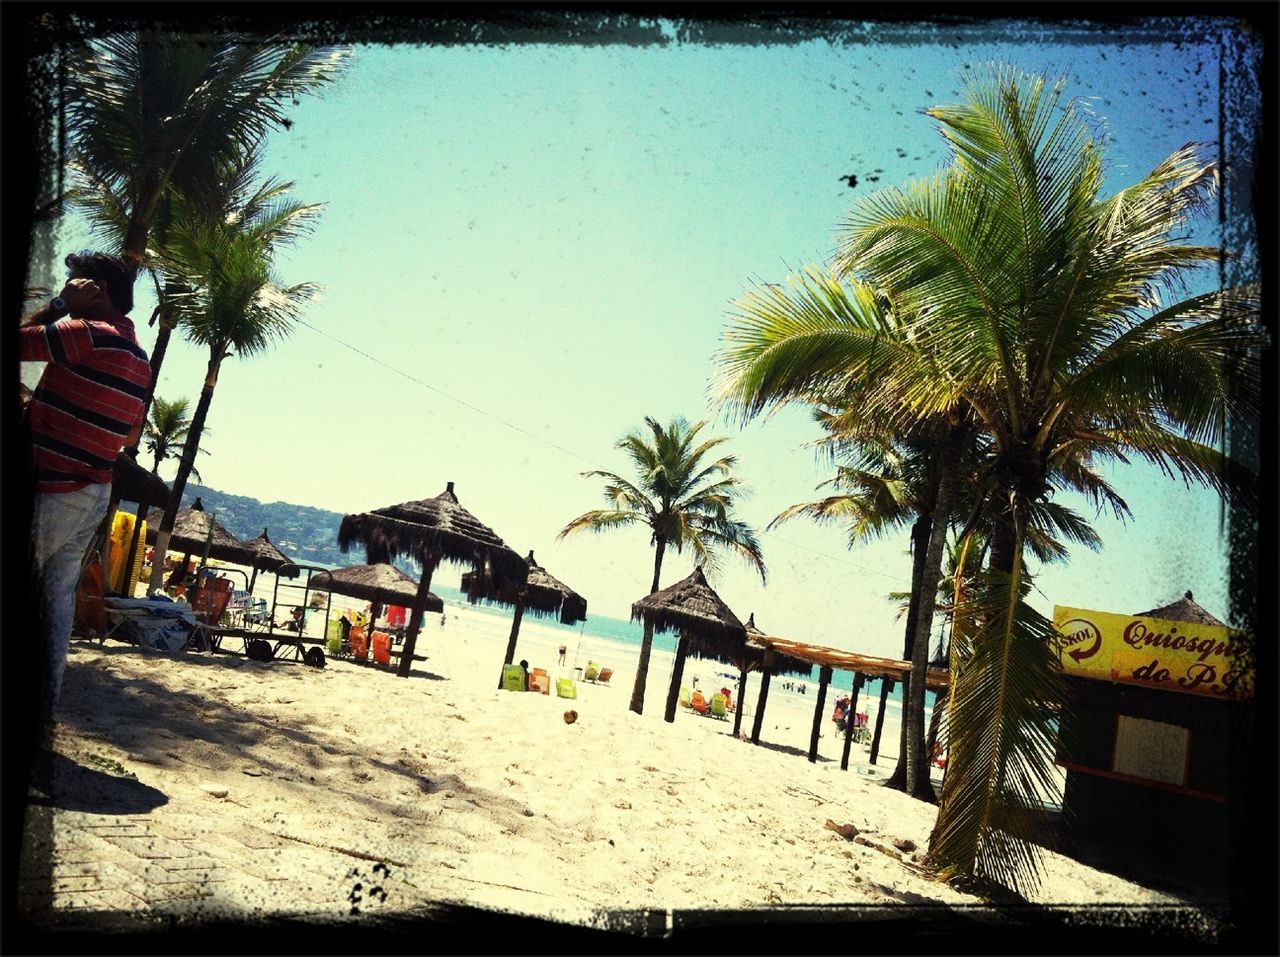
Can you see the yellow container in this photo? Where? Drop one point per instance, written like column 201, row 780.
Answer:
column 118, row 551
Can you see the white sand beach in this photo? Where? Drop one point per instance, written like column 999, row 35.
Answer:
column 488, row 798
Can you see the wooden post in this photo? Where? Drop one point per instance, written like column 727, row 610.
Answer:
column 415, row 618
column 677, row 673
column 515, row 632
column 849, row 719
column 742, row 696
column 824, row 679
column 139, row 517
column 875, row 738
column 765, row 674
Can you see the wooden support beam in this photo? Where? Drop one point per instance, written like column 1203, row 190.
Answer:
column 677, row 674
column 765, row 674
column 875, row 738
column 850, row 718
column 824, row 679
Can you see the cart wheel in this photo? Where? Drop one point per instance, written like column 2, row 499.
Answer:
column 259, row 650
column 314, row 657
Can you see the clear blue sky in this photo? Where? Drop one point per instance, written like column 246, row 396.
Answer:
column 553, row 235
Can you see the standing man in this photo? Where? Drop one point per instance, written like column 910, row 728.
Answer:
column 86, row 408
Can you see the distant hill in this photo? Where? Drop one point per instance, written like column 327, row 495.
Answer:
column 308, row 535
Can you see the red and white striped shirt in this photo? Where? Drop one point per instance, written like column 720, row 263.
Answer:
column 90, row 397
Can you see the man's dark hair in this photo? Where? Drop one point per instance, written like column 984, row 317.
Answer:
column 112, row 272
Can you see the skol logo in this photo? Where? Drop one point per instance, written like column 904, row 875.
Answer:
column 1081, row 638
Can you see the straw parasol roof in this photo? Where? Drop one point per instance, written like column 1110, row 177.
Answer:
column 691, row 607
column 130, row 482
column 271, row 558
column 381, row 583
column 1184, row 609
column 752, row 657
column 544, row 595
column 191, row 532
column 438, row 527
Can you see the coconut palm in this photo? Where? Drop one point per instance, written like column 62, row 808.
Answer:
column 154, row 113
column 236, row 305
column 166, row 430
column 684, row 501
column 1043, row 309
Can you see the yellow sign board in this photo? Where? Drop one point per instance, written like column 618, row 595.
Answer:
column 1173, row 655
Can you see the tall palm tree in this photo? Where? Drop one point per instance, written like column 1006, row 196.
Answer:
column 684, row 501
column 154, row 113
column 236, row 305
column 166, row 430
column 1044, row 310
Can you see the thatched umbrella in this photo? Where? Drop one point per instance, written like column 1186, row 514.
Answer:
column 706, row 625
column 1184, row 609
column 541, row 593
column 432, row 530
column 379, row 584
column 270, row 559
column 195, row 530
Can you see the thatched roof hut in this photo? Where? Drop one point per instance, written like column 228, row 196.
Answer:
column 753, row 656
column 1184, row 609
column 381, row 583
column 432, row 530
column 707, row 626
column 271, row 558
column 194, row 528
column 544, row 595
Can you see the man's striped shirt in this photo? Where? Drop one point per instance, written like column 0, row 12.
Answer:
column 89, row 399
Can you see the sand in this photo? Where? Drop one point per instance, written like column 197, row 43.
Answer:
column 488, row 798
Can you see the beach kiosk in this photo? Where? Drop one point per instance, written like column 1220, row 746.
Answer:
column 1156, row 701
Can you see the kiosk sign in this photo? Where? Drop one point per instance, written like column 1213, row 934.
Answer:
column 1155, row 653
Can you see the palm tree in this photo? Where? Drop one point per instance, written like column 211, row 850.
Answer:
column 1043, row 310
column 154, row 113
column 166, row 429
column 682, row 499
column 236, row 306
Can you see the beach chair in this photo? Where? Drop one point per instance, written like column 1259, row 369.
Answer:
column 257, row 614
column 359, row 644
column 593, row 671
column 333, row 636
column 699, row 703
column 540, row 681
column 685, row 700
column 209, row 604
column 381, row 648
column 513, row 678
column 604, row 676
column 565, row 688
column 719, row 706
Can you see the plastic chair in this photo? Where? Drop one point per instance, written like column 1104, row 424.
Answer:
column 333, row 636
column 719, row 706
column 513, row 678
column 593, row 671
column 699, row 703
column 381, row 648
column 685, row 700
column 539, row 680
column 565, row 688
column 604, row 676
column 359, row 644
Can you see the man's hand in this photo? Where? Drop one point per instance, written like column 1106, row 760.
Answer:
column 83, row 297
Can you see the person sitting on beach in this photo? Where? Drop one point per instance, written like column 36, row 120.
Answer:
column 294, row 623
column 524, row 666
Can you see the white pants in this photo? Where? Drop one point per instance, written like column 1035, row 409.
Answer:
column 62, row 523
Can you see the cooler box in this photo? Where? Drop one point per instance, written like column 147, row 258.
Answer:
column 359, row 644
column 513, row 678
column 382, row 647
column 118, row 551
column 565, row 688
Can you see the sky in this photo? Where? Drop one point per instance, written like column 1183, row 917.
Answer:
column 526, row 249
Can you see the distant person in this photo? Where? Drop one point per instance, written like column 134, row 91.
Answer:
column 87, row 406
column 294, row 622
column 563, row 651
column 442, row 619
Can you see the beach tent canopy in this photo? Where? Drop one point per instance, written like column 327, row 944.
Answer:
column 381, row 584
column 271, row 558
column 191, row 531
column 1184, row 609
column 692, row 608
column 130, row 482
column 544, row 595
column 432, row 530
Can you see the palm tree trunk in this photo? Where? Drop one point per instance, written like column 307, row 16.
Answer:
column 913, row 701
column 185, row 465
column 646, row 645
column 921, row 532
